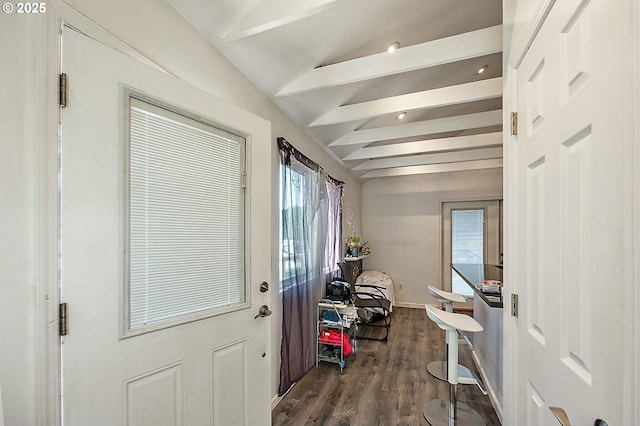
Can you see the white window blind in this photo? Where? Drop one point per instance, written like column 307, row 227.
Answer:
column 186, row 217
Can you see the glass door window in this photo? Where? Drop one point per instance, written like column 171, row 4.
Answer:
column 467, row 243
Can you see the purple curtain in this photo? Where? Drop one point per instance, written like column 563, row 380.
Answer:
column 311, row 239
column 304, row 211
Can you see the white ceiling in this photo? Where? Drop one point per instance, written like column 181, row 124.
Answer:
column 324, row 63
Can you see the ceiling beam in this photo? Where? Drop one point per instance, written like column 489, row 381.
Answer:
column 435, row 168
column 418, row 160
column 485, row 140
column 272, row 14
column 459, row 47
column 421, row 128
column 451, row 95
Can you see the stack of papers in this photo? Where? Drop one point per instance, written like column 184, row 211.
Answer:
column 492, row 286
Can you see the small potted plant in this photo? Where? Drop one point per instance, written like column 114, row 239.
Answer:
column 356, row 247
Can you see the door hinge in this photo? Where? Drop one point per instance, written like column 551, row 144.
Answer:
column 244, row 179
column 64, row 90
column 62, row 319
column 514, row 123
column 514, row 305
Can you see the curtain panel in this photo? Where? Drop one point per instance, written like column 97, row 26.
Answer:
column 333, row 248
column 304, row 212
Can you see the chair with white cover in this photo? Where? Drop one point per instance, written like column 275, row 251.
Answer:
column 439, row 412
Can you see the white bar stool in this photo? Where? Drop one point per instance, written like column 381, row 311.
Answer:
column 438, row 369
column 449, row 413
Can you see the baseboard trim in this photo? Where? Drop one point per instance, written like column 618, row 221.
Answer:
column 275, row 401
column 492, row 394
column 409, row 305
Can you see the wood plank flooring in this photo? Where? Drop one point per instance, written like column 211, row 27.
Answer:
column 382, row 383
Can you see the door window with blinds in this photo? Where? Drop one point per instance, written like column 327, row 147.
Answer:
column 186, row 219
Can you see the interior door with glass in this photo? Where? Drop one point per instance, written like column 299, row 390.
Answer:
column 471, row 234
column 162, row 250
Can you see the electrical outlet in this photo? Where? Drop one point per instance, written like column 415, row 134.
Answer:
column 400, row 286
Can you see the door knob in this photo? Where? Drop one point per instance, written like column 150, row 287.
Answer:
column 560, row 415
column 264, row 311
column 564, row 419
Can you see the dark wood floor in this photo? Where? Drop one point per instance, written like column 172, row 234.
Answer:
column 382, row 383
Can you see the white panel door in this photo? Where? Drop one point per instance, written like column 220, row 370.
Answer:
column 569, row 200
column 213, row 371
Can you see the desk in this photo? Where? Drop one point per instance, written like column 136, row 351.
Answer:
column 474, row 273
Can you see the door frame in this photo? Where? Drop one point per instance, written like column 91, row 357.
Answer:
column 47, row 49
column 632, row 249
column 514, row 55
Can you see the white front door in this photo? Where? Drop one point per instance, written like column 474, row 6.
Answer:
column 567, row 251
column 210, row 371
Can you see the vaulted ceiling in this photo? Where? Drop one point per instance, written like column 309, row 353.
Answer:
column 324, row 62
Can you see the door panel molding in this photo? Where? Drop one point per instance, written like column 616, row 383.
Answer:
column 164, row 387
column 225, row 360
column 536, row 22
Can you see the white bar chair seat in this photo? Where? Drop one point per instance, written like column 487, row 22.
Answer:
column 450, row 413
column 438, row 369
column 446, row 297
column 450, row 321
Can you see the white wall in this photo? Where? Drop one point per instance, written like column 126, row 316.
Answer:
column 17, row 224
column 154, row 29
column 401, row 218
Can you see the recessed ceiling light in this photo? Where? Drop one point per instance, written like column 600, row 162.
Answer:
column 483, row 69
column 393, row 46
column 401, row 116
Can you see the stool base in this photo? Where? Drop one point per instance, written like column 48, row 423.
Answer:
column 438, row 369
column 436, row 413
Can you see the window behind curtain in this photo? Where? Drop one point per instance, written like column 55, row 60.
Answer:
column 186, row 218
column 292, row 253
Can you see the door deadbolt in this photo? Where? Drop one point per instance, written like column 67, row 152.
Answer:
column 264, row 287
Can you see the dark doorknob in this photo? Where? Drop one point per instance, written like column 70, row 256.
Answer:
column 264, row 311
